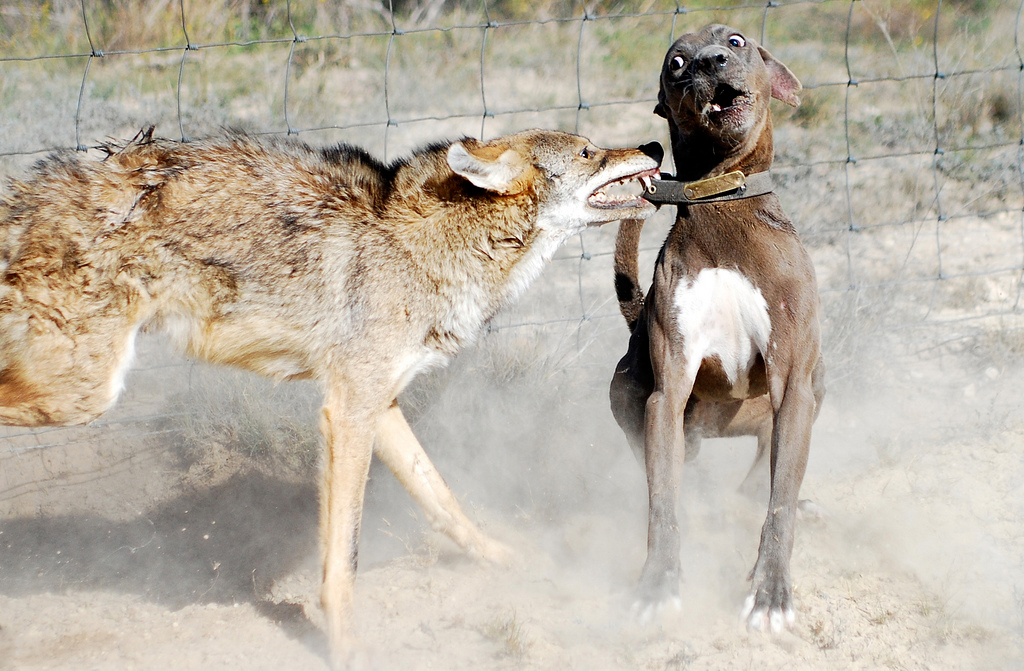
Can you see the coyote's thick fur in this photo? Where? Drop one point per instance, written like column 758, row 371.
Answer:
column 292, row 262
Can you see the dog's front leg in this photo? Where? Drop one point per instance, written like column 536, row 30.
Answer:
column 664, row 440
column 397, row 447
column 348, row 440
column 770, row 603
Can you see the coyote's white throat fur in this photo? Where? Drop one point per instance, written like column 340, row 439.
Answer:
column 292, row 262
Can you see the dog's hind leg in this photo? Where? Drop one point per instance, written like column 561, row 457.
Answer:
column 628, row 402
column 397, row 447
column 753, row 485
column 630, row 388
column 755, row 418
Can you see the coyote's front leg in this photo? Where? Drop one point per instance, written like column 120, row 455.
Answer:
column 398, row 448
column 348, row 441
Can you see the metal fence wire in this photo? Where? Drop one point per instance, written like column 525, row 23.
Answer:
column 902, row 168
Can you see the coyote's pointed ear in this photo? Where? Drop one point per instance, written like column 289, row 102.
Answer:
column 785, row 85
column 488, row 167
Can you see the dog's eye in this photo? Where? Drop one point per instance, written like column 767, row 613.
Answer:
column 586, row 153
column 737, row 41
column 677, row 63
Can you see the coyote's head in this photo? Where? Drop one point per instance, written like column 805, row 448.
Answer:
column 574, row 183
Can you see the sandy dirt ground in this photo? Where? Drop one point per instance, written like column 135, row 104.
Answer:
column 209, row 561
column 144, row 542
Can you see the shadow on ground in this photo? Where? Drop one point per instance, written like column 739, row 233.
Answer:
column 223, row 545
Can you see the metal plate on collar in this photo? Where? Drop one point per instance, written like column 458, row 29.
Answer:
column 712, row 186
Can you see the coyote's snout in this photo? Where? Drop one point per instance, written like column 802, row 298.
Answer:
column 292, row 262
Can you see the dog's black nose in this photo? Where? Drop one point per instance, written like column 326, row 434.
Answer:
column 711, row 58
column 654, row 150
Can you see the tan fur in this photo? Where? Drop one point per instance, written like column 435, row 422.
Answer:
column 292, row 262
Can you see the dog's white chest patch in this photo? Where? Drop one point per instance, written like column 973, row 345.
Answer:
column 720, row 313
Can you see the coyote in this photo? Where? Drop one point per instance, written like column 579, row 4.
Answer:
column 293, row 262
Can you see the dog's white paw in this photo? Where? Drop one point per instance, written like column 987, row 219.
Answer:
column 657, row 591
column 767, row 620
column 645, row 612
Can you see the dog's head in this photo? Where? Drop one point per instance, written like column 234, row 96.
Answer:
column 717, row 83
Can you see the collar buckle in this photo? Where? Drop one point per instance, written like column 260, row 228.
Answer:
column 713, row 186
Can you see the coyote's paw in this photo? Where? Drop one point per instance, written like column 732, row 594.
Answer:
column 489, row 550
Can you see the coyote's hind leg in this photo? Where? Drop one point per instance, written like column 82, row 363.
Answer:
column 62, row 373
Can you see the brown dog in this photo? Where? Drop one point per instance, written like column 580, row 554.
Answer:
column 727, row 341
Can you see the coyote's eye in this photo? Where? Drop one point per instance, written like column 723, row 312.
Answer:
column 677, row 63
column 737, row 41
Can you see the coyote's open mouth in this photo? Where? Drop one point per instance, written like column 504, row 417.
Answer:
column 624, row 192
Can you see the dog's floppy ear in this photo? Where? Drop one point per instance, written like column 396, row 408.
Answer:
column 785, row 85
column 490, row 167
column 660, row 108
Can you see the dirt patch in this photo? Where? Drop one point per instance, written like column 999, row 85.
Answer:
column 915, row 567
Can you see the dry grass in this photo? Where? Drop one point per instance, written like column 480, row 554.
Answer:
column 272, row 428
column 509, row 633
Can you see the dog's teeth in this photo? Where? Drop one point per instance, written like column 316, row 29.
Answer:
column 646, row 181
column 716, row 107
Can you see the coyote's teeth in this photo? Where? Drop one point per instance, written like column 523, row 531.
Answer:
column 626, row 191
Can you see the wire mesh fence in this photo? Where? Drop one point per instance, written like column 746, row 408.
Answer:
column 902, row 169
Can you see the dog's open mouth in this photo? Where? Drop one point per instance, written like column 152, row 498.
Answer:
column 625, row 192
column 725, row 100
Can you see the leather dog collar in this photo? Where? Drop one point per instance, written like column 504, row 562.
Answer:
column 730, row 186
